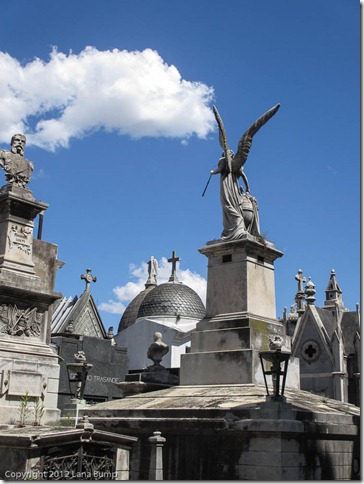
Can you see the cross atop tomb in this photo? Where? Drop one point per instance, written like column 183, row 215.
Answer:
column 174, row 259
column 300, row 296
column 300, row 278
column 88, row 277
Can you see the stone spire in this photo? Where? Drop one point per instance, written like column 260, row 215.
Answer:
column 333, row 292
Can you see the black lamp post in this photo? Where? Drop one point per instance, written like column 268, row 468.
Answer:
column 276, row 358
column 80, row 369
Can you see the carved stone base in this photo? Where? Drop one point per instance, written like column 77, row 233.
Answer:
column 18, row 209
column 148, row 381
column 31, row 368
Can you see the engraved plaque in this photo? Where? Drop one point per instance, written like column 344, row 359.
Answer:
column 22, row 381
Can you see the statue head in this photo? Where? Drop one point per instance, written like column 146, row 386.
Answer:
column 157, row 336
column 18, row 142
column 223, row 162
column 80, row 356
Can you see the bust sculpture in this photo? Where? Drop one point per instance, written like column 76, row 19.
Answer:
column 239, row 207
column 156, row 351
column 18, row 169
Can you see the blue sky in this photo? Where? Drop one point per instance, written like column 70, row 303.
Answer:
column 116, row 100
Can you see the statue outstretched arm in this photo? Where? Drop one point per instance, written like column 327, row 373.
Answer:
column 245, row 142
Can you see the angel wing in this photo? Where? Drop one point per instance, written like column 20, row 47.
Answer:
column 222, row 133
column 245, row 142
column 222, row 136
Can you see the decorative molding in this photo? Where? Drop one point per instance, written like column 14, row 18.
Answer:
column 310, row 351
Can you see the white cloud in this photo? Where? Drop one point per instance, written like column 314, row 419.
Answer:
column 132, row 93
column 124, row 294
column 112, row 307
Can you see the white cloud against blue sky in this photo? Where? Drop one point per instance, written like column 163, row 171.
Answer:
column 72, row 95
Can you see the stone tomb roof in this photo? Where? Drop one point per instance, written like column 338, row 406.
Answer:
column 189, row 399
column 83, row 313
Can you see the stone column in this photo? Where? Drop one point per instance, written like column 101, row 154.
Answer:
column 27, row 275
column 156, row 457
column 122, row 464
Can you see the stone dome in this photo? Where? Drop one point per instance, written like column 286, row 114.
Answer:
column 172, row 299
column 131, row 312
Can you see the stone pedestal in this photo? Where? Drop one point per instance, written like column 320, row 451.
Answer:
column 240, row 316
column 27, row 274
column 148, row 381
column 240, row 277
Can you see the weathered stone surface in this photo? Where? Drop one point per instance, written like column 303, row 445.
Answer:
column 230, row 432
column 27, row 274
column 241, row 277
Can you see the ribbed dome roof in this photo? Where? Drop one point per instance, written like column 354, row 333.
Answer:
column 131, row 312
column 172, row 299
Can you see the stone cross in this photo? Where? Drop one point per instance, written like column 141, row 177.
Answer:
column 174, row 259
column 88, row 277
column 300, row 278
column 300, row 296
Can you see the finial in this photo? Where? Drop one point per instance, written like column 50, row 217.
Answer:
column 310, row 292
column 70, row 327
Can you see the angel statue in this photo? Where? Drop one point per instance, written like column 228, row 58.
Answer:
column 239, row 207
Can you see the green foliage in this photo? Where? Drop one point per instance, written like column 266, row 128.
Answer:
column 38, row 411
column 24, row 409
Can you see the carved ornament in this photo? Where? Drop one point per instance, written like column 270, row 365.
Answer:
column 20, row 322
